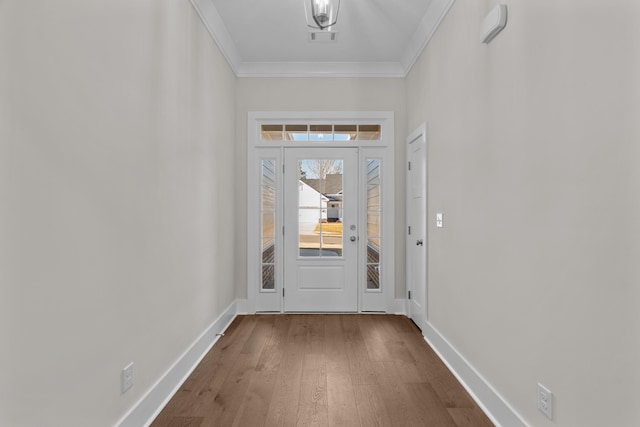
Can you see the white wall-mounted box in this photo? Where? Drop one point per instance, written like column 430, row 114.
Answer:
column 493, row 23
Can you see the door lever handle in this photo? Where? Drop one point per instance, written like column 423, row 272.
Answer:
column 419, row 242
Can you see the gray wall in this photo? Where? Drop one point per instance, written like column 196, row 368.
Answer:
column 116, row 148
column 534, row 154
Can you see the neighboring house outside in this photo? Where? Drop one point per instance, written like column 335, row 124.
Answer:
column 312, row 207
column 334, row 210
column 315, row 210
column 331, row 189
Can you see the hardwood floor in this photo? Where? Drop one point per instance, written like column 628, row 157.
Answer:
column 321, row 370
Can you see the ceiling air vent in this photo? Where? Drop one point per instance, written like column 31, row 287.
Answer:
column 323, row 36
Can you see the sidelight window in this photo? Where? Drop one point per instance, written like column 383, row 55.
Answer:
column 374, row 234
column 268, row 223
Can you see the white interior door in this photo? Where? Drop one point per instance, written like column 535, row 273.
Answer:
column 321, row 230
column 417, row 230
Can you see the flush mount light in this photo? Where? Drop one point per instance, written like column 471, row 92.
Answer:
column 321, row 14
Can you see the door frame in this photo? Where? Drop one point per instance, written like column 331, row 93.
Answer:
column 258, row 149
column 419, row 133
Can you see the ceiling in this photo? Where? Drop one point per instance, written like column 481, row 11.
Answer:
column 374, row 38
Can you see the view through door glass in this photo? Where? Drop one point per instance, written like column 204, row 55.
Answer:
column 320, row 207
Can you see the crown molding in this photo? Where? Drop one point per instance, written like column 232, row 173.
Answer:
column 320, row 69
column 430, row 22
column 209, row 15
column 214, row 24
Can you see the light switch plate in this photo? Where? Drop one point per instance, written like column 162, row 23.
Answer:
column 439, row 220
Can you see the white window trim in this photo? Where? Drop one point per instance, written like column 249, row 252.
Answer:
column 384, row 118
column 257, row 149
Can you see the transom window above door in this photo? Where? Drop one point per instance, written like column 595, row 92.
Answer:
column 320, row 132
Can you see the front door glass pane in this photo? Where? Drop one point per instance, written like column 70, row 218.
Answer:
column 320, row 202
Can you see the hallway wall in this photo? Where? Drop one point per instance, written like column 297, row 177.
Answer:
column 123, row 146
column 534, row 154
column 317, row 94
column 116, row 165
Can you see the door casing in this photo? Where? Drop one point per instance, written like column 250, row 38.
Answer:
column 272, row 301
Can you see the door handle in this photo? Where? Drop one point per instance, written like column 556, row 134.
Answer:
column 419, row 242
column 353, row 238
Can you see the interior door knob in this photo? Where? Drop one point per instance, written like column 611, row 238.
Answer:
column 352, row 238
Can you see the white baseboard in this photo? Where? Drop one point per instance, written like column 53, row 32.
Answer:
column 147, row 408
column 150, row 405
column 398, row 306
column 243, row 307
column 500, row 413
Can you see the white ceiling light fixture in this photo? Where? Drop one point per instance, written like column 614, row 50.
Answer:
column 321, row 14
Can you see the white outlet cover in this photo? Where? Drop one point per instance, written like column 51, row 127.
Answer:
column 545, row 401
column 127, row 377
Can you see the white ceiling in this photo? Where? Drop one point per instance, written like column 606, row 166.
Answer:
column 377, row 38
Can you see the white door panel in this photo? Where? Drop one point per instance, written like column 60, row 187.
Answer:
column 320, row 255
column 417, row 231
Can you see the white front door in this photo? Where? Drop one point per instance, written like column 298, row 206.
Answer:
column 321, row 229
column 417, row 226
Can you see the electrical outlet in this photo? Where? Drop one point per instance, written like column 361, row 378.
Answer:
column 545, row 401
column 127, row 377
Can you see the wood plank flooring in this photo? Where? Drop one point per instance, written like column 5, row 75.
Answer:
column 321, row 370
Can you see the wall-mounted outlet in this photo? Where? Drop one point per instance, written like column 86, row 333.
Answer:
column 439, row 220
column 545, row 401
column 127, row 377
